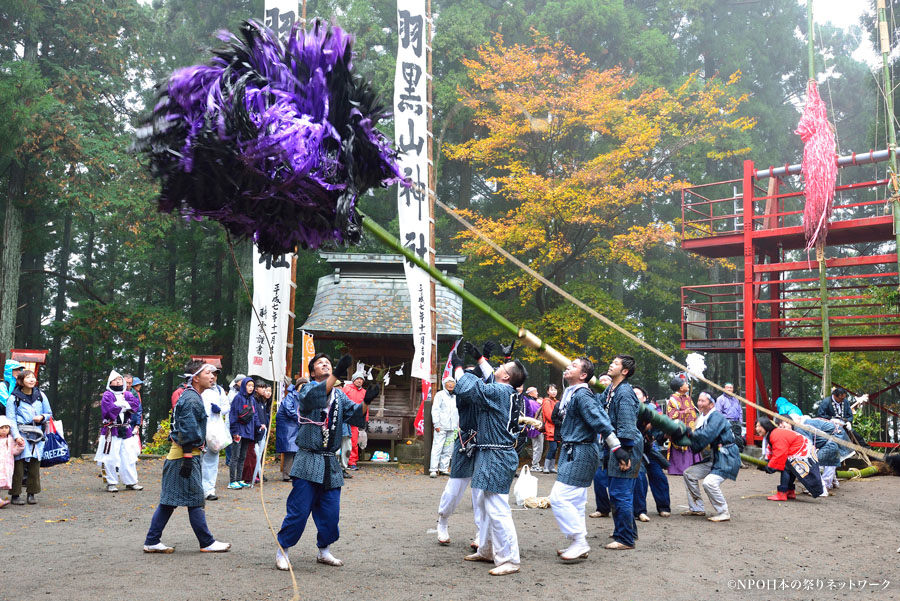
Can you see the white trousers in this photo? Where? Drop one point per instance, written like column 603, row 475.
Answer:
column 693, row 476
column 454, row 491
column 829, row 476
column 568, row 504
column 122, row 457
column 497, row 537
column 346, row 446
column 209, row 468
column 452, row 495
column 441, row 451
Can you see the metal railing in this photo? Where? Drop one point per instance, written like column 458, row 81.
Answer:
column 717, row 209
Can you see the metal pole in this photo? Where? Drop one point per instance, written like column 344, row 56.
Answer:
column 889, row 109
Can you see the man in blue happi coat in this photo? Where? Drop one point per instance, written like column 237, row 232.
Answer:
column 497, row 422
column 827, row 451
column 622, row 406
column 836, row 407
column 182, row 480
column 317, row 479
column 462, row 464
column 723, row 461
column 583, row 419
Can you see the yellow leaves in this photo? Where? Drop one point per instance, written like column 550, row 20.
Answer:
column 724, row 154
column 630, row 247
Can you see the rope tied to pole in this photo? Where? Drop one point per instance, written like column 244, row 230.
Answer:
column 529, row 338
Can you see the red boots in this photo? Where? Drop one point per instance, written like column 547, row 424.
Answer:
column 778, row 496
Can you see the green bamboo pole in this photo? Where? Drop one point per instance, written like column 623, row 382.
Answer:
column 810, row 38
column 826, row 326
column 820, row 245
column 529, row 339
column 387, row 239
column 845, row 474
column 889, row 109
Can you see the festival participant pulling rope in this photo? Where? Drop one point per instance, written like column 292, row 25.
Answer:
column 575, row 301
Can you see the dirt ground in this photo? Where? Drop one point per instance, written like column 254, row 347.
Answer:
column 80, row 542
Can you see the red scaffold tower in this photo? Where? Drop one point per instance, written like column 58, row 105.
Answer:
column 773, row 307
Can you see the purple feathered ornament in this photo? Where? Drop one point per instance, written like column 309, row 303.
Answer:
column 274, row 140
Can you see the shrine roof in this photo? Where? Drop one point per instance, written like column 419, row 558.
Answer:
column 366, row 296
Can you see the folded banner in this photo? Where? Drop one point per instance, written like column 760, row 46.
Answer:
column 448, row 367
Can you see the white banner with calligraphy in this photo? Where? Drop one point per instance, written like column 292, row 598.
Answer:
column 411, row 135
column 280, row 16
column 271, row 298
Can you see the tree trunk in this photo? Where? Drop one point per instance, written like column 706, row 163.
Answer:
column 77, row 423
column 161, row 408
column 30, row 302
column 465, row 173
column 60, row 314
column 244, row 254
column 217, row 294
column 11, row 244
column 11, row 257
column 194, row 285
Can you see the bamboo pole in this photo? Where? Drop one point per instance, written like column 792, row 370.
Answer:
column 527, row 338
column 846, row 474
column 820, row 245
column 885, row 43
column 826, row 327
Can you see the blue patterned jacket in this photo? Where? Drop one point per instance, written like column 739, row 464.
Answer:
column 583, row 421
column 827, row 450
column 716, row 432
column 497, row 415
column 313, row 457
column 623, row 414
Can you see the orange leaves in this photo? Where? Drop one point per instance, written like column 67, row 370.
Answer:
column 579, row 164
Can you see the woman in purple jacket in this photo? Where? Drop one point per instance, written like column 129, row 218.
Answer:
column 119, row 411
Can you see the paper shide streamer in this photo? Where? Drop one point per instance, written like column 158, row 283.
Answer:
column 274, row 140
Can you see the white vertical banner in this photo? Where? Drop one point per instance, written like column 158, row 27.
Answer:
column 280, row 16
column 411, row 135
column 269, row 324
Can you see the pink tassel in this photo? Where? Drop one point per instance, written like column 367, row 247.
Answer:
column 819, row 166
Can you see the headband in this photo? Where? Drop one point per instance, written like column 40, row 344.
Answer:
column 202, row 367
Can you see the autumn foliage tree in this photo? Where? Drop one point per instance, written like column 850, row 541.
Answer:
column 580, row 160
